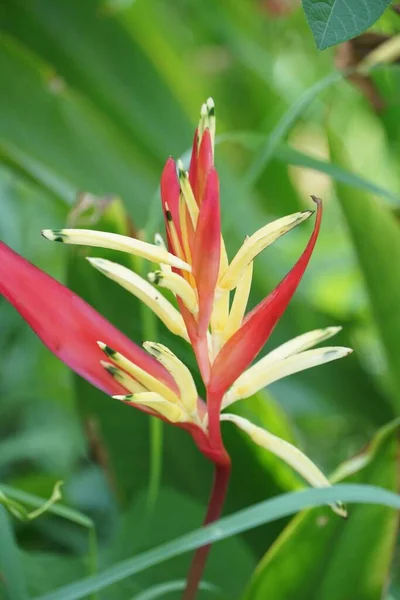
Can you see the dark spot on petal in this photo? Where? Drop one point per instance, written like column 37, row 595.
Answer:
column 109, row 351
column 157, row 277
column 168, row 215
column 112, row 370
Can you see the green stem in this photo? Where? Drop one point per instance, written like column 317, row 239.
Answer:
column 149, row 332
column 156, row 443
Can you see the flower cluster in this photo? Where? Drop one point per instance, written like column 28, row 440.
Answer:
column 210, row 313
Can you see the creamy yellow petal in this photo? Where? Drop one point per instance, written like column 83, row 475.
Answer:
column 173, row 234
column 220, row 311
column 254, row 244
column 239, row 303
column 123, row 378
column 187, row 194
column 156, row 402
column 302, row 342
column 180, row 373
column 263, row 372
column 143, row 290
column 114, row 241
column 287, row 452
column 145, row 379
column 183, row 221
column 178, row 285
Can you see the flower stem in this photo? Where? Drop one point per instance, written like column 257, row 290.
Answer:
column 218, row 493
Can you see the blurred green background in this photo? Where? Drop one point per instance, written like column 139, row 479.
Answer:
column 95, row 96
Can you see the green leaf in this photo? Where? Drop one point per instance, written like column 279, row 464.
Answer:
column 22, row 513
column 284, row 125
column 338, row 173
column 264, row 512
column 159, row 591
column 376, row 237
column 12, row 579
column 45, row 570
column 318, row 557
column 119, row 433
column 230, row 564
column 70, row 128
column 335, row 21
column 290, row 156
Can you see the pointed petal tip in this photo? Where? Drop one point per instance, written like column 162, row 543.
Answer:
column 210, row 106
column 334, row 329
column 53, row 235
column 108, row 366
column 123, row 398
column 94, row 261
column 108, row 351
column 337, row 351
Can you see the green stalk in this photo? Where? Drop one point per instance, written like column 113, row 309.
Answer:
column 149, row 332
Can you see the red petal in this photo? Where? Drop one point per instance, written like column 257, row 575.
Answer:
column 170, row 191
column 200, row 165
column 66, row 324
column 194, row 161
column 242, row 348
column 205, row 164
column 207, row 250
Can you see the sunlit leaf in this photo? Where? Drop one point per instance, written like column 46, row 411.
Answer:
column 376, row 237
column 337, row 556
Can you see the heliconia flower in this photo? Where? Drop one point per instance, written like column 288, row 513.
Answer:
column 210, row 313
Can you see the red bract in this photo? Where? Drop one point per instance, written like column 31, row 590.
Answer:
column 66, row 324
column 243, row 347
column 194, row 267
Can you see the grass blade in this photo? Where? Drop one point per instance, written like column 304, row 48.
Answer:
column 244, row 520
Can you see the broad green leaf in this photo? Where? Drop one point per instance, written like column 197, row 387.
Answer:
column 23, row 207
column 318, row 557
column 78, row 147
column 264, row 512
column 335, row 21
column 71, row 39
column 376, row 237
column 229, row 566
column 120, row 431
column 12, row 580
column 46, row 571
